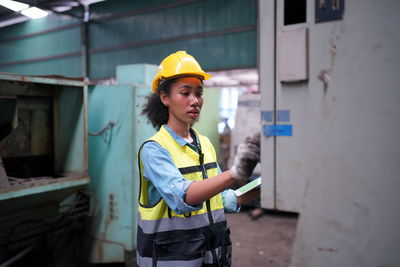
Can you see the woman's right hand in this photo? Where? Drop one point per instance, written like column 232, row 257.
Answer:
column 247, row 157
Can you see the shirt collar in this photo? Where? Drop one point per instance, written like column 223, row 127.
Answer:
column 177, row 138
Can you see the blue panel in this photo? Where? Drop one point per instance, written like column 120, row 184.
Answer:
column 278, row 130
column 267, row 115
column 283, row 115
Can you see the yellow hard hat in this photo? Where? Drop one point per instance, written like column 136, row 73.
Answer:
column 178, row 64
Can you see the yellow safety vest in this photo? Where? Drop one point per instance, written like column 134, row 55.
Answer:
column 195, row 239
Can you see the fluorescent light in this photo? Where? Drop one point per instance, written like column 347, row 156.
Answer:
column 34, row 13
column 61, row 8
column 13, row 5
column 89, row 2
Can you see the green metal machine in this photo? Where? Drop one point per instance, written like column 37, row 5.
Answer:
column 49, row 147
column 43, row 161
column 117, row 130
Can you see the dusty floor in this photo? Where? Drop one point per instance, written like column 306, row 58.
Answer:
column 266, row 241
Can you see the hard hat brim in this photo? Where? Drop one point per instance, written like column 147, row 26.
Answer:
column 201, row 76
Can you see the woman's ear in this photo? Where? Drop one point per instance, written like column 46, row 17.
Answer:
column 164, row 99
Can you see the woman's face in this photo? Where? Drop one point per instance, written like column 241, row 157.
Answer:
column 185, row 100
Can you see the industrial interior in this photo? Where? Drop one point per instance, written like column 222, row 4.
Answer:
column 317, row 78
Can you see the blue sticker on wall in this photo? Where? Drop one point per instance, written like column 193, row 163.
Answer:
column 267, row 115
column 278, row 130
column 283, row 115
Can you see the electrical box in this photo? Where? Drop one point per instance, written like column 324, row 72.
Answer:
column 328, row 10
column 293, row 55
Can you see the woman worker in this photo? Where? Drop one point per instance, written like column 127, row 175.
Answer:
column 181, row 219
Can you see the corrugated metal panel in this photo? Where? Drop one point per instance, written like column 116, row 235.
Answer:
column 50, row 45
column 220, row 52
column 195, row 18
column 111, row 7
column 70, row 66
column 127, row 32
column 209, row 30
column 35, row 26
column 44, row 45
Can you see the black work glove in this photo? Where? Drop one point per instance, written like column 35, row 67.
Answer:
column 246, row 159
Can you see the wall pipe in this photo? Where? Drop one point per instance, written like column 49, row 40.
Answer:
column 85, row 40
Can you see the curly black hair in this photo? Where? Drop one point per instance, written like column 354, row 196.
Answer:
column 154, row 109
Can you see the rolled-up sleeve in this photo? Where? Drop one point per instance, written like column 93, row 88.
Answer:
column 169, row 183
column 229, row 199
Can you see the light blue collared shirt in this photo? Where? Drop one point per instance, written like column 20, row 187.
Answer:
column 168, row 183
